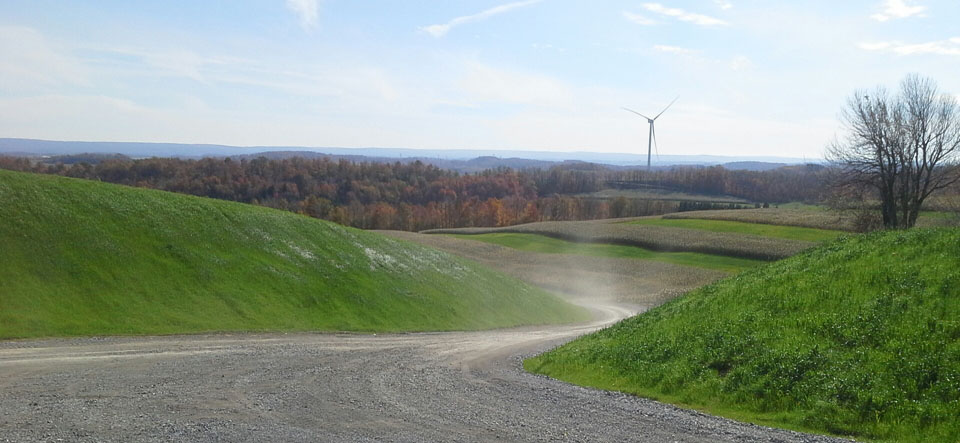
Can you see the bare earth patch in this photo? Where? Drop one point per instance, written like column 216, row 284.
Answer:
column 643, row 282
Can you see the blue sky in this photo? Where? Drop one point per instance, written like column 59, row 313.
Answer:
column 754, row 77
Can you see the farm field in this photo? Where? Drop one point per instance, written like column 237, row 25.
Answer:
column 551, row 245
column 656, row 238
column 644, row 283
column 804, row 217
column 87, row 258
column 761, row 229
column 839, row 339
column 653, row 193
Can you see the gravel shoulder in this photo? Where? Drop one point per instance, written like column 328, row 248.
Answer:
column 456, row 386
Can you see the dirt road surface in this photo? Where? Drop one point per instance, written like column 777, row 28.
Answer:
column 454, row 386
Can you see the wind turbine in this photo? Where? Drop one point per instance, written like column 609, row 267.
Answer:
column 652, row 138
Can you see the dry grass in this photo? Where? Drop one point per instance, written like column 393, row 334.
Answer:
column 657, row 238
column 771, row 216
column 819, row 219
column 643, row 282
column 663, row 194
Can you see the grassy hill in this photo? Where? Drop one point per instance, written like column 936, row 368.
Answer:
column 82, row 257
column 860, row 336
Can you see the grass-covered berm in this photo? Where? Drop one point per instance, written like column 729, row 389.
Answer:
column 87, row 258
column 858, row 337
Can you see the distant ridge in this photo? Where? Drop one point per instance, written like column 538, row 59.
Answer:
column 451, row 159
column 754, row 166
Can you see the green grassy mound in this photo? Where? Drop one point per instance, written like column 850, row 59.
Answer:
column 82, row 257
column 858, row 337
column 550, row 245
column 778, row 231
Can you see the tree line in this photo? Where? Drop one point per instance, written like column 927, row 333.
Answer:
column 417, row 196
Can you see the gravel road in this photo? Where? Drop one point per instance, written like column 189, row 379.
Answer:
column 455, row 386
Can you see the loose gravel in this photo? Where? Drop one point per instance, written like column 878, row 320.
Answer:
column 457, row 386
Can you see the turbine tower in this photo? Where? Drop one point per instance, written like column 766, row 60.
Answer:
column 652, row 138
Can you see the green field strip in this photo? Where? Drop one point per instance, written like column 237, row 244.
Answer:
column 764, row 230
column 550, row 245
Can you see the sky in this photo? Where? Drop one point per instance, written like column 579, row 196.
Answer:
column 753, row 77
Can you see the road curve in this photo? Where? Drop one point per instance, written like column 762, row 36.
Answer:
column 456, row 386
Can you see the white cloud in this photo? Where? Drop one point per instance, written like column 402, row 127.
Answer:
column 100, row 117
column 723, row 4
column 354, row 83
column 674, row 50
column 680, row 14
column 875, row 46
column 741, row 63
column 306, row 10
column 547, row 47
column 485, row 83
column 167, row 62
column 893, row 9
column 638, row 19
column 440, row 30
column 30, row 62
column 357, row 85
column 942, row 47
column 179, row 63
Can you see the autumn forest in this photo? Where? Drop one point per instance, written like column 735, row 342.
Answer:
column 415, row 196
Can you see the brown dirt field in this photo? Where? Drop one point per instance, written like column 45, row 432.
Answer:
column 642, row 282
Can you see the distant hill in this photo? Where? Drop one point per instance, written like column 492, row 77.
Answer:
column 88, row 258
column 753, row 166
column 463, row 166
column 70, row 159
column 450, row 159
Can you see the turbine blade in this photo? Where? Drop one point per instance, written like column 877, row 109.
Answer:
column 635, row 112
column 668, row 107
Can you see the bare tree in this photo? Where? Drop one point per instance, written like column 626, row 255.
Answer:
column 905, row 147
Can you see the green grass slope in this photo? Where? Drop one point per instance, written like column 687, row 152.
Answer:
column 778, row 231
column 860, row 336
column 81, row 257
column 550, row 245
